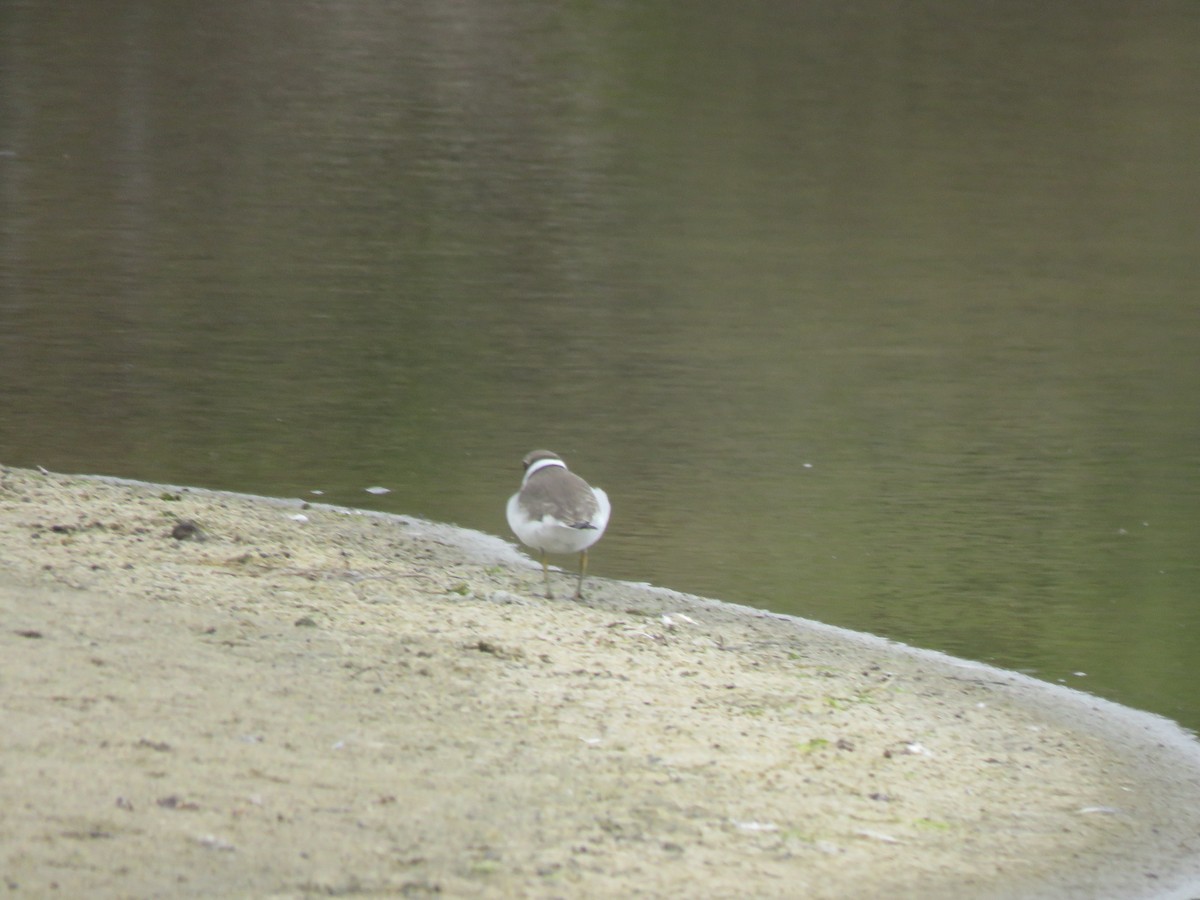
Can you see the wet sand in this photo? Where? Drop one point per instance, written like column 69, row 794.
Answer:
column 206, row 694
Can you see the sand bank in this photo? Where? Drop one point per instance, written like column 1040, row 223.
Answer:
column 206, row 694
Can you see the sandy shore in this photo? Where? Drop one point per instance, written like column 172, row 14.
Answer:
column 277, row 700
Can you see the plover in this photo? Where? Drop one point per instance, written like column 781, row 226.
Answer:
column 556, row 511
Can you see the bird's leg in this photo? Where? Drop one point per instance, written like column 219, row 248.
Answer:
column 546, row 575
column 582, row 571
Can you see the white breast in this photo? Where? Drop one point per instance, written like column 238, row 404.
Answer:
column 549, row 535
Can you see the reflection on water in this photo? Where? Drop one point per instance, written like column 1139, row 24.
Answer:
column 882, row 317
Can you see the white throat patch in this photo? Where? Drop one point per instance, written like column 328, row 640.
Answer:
column 539, row 465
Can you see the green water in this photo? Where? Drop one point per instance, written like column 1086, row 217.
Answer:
column 881, row 316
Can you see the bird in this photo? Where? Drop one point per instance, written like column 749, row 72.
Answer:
column 556, row 511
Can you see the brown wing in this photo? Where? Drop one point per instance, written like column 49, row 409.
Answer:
column 564, row 495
